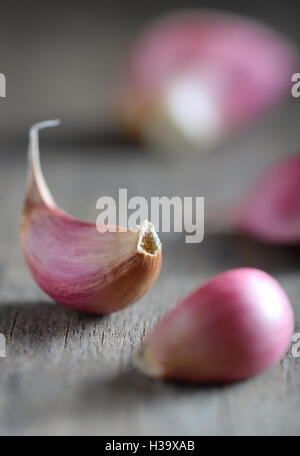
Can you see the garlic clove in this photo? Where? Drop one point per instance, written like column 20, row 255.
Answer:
column 271, row 210
column 196, row 77
column 235, row 326
column 72, row 261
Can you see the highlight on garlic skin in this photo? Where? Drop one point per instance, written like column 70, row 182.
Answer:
column 271, row 210
column 235, row 326
column 195, row 77
column 73, row 262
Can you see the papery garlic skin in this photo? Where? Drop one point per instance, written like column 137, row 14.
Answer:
column 271, row 210
column 195, row 77
column 73, row 262
column 235, row 326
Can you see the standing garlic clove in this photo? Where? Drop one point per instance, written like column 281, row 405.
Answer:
column 235, row 326
column 72, row 261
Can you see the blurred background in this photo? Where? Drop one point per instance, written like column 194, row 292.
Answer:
column 62, row 59
column 69, row 373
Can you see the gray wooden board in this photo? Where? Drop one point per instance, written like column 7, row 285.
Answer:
column 71, row 373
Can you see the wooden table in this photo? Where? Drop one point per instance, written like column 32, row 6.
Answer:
column 71, row 373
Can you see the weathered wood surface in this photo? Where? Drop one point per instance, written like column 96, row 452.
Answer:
column 70, row 373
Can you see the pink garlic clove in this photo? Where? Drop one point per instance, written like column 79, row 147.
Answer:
column 271, row 211
column 199, row 76
column 74, row 263
column 235, row 326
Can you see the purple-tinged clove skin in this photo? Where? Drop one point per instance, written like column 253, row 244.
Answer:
column 196, row 77
column 74, row 263
column 271, row 210
column 233, row 327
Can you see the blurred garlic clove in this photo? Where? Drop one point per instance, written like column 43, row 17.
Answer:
column 235, row 326
column 196, row 77
column 271, row 211
column 72, row 261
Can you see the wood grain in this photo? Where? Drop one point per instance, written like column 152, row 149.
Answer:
column 71, row 373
